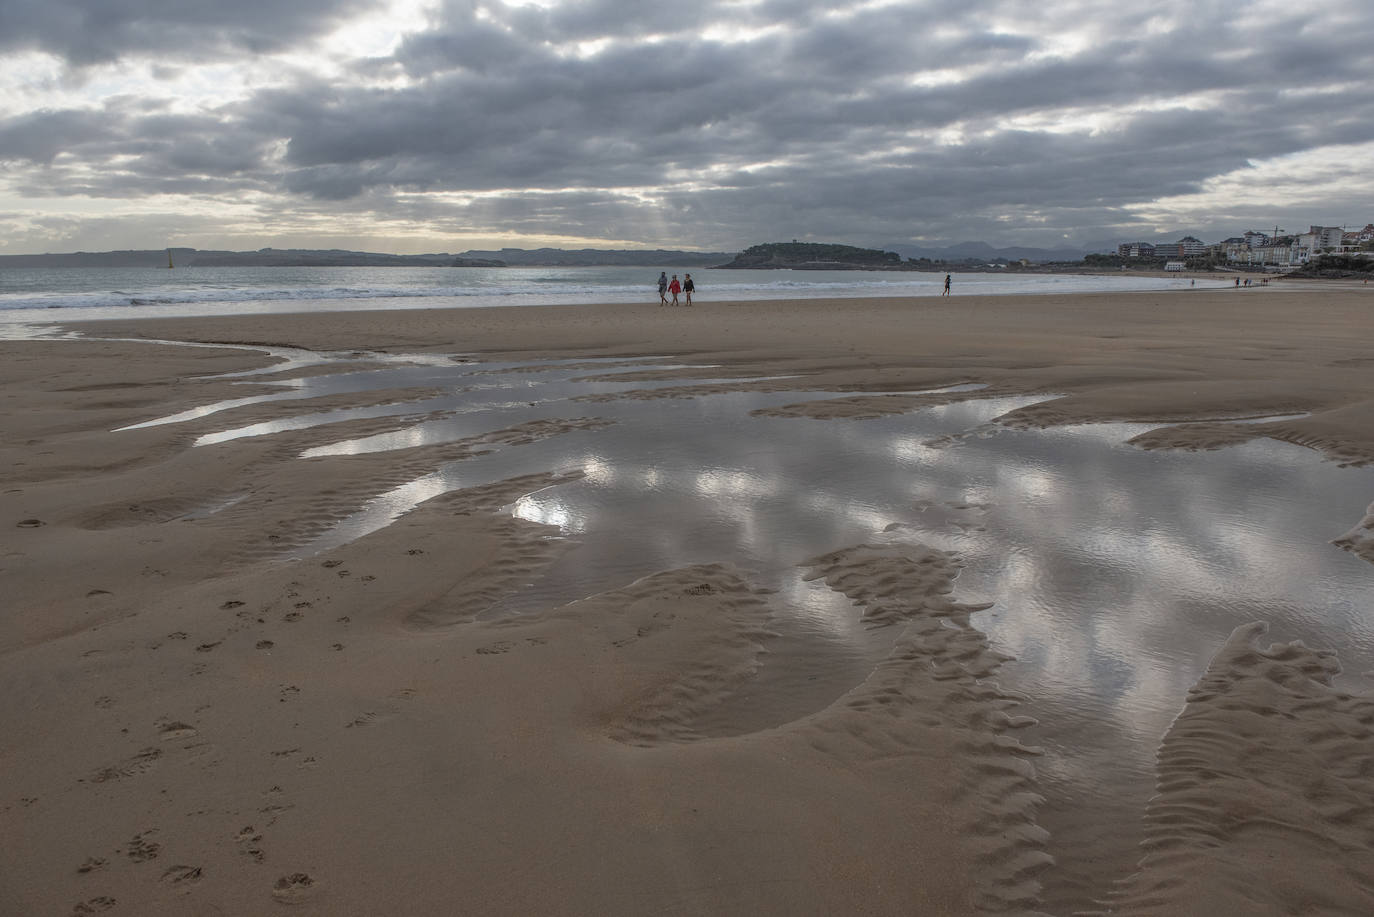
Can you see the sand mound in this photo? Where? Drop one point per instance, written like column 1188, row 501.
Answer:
column 1265, row 783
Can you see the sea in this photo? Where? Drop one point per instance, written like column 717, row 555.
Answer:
column 104, row 293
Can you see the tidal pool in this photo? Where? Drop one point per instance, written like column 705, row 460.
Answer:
column 1114, row 574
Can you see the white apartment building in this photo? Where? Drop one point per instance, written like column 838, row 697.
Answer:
column 1315, row 240
column 1191, row 248
column 1276, row 255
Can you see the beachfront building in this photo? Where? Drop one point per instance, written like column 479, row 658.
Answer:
column 1355, row 240
column 1316, row 240
column 1190, row 247
column 1234, row 249
column 1187, row 247
column 1135, row 250
column 1279, row 253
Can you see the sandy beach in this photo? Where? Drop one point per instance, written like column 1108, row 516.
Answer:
column 199, row 721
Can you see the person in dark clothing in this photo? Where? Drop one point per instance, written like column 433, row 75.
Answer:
column 946, row 292
column 663, row 288
column 688, row 287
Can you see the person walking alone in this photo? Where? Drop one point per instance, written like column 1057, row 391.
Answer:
column 662, row 288
column 675, row 288
column 688, row 287
column 946, row 292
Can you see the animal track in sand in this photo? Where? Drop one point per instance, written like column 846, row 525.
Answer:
column 182, row 875
column 371, row 718
column 294, row 888
column 170, row 730
column 141, row 850
column 493, row 649
column 248, row 842
column 93, row 906
column 130, row 767
column 92, row 864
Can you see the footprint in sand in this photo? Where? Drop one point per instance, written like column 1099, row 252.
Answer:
column 249, row 843
column 294, row 888
column 182, row 875
column 500, row 646
column 170, row 730
column 131, row 767
column 141, row 850
column 93, row 906
column 371, row 718
column 91, row 865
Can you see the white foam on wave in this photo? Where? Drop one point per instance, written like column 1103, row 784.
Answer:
column 207, row 291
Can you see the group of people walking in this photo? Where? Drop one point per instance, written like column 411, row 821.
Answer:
column 666, row 286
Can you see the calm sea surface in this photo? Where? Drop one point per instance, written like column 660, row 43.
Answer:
column 99, row 293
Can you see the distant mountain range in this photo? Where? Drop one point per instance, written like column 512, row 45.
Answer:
column 301, row 257
column 514, row 257
column 660, row 258
column 267, row 257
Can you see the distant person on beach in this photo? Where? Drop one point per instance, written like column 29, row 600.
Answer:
column 1237, row 281
column 688, row 287
column 946, row 292
column 675, row 288
column 662, row 288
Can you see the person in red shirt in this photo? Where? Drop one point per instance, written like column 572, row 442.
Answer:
column 675, row 288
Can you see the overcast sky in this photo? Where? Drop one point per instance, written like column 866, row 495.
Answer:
column 444, row 125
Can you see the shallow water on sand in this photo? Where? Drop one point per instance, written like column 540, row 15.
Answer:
column 1114, row 574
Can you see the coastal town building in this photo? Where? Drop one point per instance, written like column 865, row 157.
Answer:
column 1135, row 250
column 1316, row 240
column 1260, row 249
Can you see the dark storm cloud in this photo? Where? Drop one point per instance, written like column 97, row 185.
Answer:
column 83, row 32
column 934, row 118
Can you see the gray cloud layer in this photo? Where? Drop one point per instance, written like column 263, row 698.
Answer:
column 628, row 120
column 83, row 32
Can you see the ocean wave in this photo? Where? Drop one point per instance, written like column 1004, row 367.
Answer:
column 269, row 291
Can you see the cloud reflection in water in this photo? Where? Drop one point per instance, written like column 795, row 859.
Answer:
column 1115, row 573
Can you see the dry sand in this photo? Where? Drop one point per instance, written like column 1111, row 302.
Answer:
column 193, row 725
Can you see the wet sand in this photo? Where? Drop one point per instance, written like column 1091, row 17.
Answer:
column 195, row 725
